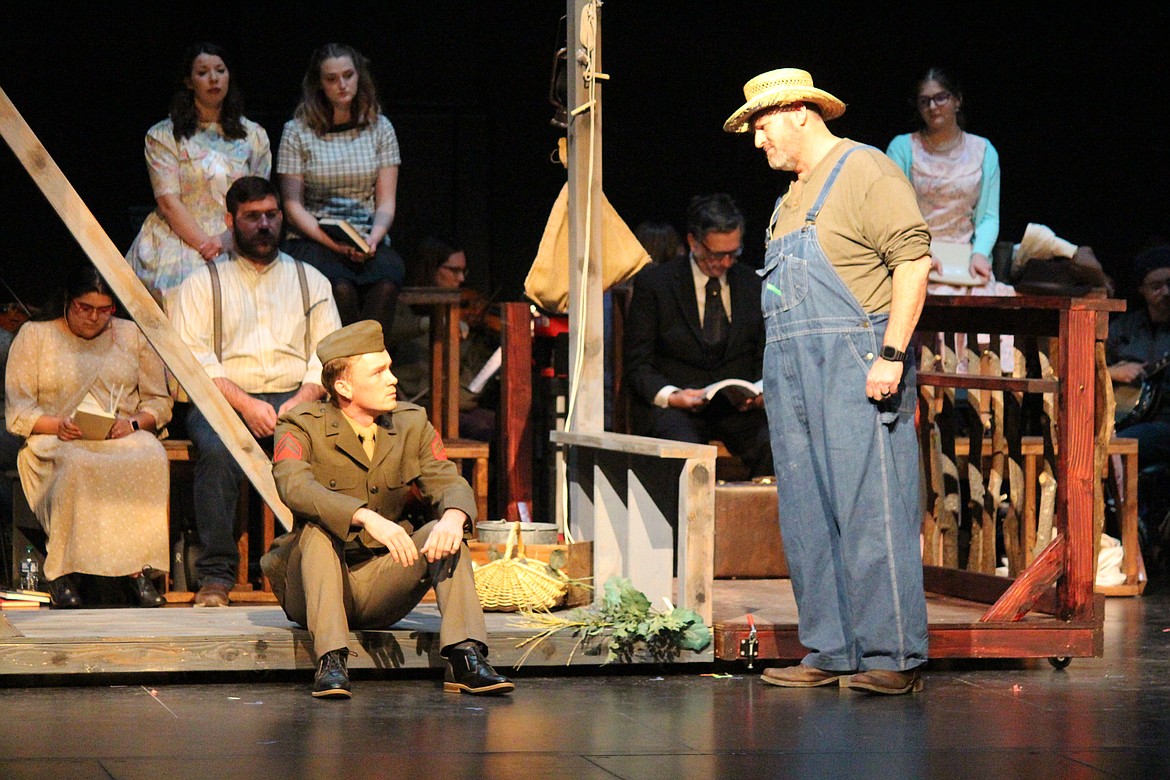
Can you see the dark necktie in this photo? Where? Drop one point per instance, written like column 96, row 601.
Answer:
column 715, row 316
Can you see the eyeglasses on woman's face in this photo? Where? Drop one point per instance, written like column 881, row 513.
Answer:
column 86, row 310
column 939, row 99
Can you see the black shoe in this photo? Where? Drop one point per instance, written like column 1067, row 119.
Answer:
column 62, row 594
column 332, row 679
column 469, row 672
column 142, row 590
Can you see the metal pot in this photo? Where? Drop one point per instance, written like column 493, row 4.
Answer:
column 496, row 532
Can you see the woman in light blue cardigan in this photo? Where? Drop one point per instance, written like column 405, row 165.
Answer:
column 955, row 174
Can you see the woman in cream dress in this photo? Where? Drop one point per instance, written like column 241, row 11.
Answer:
column 103, row 503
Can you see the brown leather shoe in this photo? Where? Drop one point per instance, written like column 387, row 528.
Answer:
column 801, row 676
column 213, row 594
column 885, row 681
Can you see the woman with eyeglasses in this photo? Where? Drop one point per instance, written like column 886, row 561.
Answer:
column 438, row 262
column 955, row 175
column 102, row 501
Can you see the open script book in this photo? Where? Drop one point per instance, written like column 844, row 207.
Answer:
column 735, row 390
column 93, row 419
column 344, row 233
column 955, row 263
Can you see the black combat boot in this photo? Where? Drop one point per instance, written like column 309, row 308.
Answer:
column 332, row 679
column 469, row 672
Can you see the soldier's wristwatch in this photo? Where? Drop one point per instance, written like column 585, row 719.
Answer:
column 892, row 354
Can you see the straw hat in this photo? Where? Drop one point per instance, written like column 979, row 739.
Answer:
column 778, row 88
column 1040, row 243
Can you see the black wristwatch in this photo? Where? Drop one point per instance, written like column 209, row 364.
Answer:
column 133, row 423
column 892, row 354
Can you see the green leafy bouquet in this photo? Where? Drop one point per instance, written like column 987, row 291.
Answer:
column 625, row 625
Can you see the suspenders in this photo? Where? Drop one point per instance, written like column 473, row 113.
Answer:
column 217, row 307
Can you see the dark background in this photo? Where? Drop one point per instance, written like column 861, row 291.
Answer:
column 1074, row 102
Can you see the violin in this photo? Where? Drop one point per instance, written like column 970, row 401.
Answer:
column 478, row 310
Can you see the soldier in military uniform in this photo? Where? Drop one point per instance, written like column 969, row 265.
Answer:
column 349, row 468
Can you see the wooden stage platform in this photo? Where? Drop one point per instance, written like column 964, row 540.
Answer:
column 258, row 637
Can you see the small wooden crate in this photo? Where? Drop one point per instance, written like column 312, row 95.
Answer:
column 578, row 565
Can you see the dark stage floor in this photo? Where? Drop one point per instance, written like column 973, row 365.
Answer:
column 1103, row 717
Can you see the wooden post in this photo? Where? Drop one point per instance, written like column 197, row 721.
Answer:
column 586, row 332
column 141, row 306
column 514, row 477
column 1075, row 458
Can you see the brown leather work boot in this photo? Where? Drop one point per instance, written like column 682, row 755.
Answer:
column 801, row 676
column 885, row 681
column 213, row 594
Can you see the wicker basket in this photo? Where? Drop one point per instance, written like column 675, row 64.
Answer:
column 513, row 583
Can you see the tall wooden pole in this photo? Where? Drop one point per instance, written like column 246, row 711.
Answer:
column 586, row 331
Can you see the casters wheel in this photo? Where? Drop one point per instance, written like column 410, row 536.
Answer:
column 1060, row 661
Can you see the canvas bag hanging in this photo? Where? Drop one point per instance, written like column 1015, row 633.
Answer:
column 622, row 255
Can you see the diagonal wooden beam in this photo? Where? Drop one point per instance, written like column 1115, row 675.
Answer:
column 140, row 305
column 1030, row 586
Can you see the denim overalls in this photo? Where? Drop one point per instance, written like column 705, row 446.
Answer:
column 846, row 466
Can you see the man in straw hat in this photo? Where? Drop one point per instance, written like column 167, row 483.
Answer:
column 844, row 281
column 350, row 468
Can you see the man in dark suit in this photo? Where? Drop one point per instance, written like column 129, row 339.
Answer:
column 692, row 322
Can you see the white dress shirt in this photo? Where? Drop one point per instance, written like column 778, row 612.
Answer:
column 263, row 323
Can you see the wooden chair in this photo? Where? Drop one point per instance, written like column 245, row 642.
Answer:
column 460, row 449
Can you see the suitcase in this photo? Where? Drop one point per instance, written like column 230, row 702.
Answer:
column 747, row 531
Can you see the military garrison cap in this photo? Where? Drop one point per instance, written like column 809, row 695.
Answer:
column 356, row 339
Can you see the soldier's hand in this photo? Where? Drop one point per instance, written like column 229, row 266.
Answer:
column 398, row 542
column 445, row 537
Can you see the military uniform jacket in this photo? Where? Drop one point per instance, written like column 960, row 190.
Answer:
column 323, row 475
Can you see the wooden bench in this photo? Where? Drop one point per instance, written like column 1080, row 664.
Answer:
column 648, row 506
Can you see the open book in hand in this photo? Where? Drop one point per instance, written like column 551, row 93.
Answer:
column 954, row 260
column 344, row 233
column 736, row 391
column 93, row 419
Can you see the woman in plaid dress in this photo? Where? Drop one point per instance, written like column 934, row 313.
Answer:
column 339, row 158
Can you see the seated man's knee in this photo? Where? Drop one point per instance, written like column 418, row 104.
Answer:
column 677, row 425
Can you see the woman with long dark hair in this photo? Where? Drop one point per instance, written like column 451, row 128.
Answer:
column 193, row 156
column 955, row 175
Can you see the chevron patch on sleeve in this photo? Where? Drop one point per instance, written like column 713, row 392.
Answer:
column 288, row 447
column 437, row 448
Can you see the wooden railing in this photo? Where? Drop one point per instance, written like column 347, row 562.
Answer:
column 1056, row 389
